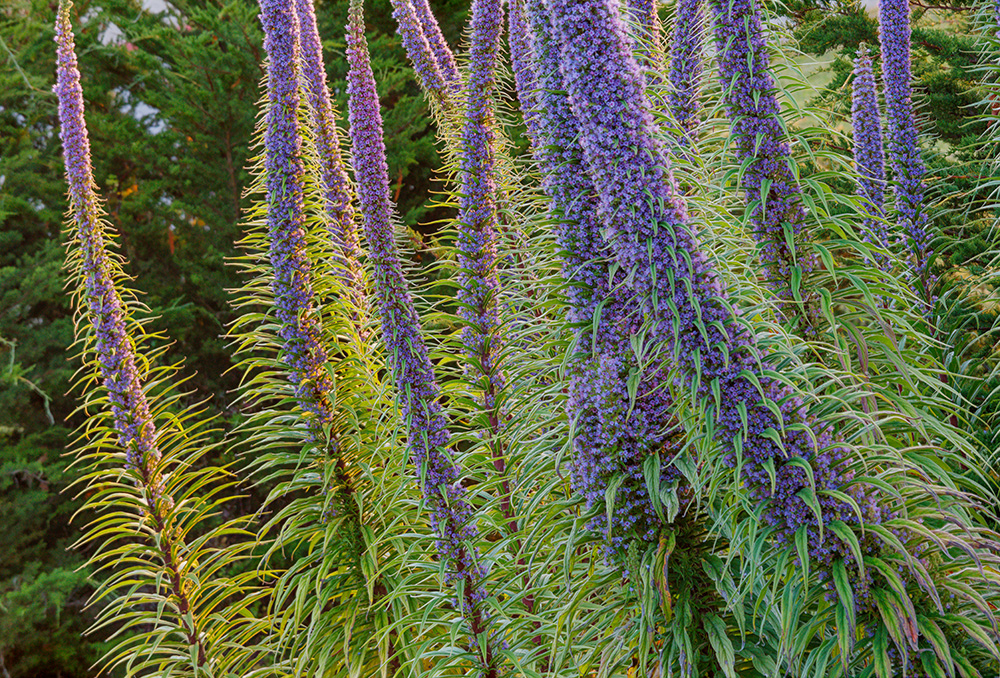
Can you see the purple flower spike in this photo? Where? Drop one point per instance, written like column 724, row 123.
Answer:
column 613, row 436
column 686, row 68
column 418, row 393
column 302, row 349
column 642, row 13
column 337, row 190
column 442, row 52
column 682, row 297
column 772, row 190
column 901, row 129
column 479, row 285
column 116, row 353
column 523, row 64
column 418, row 49
column 868, row 154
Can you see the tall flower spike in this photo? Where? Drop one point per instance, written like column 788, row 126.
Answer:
column 479, row 285
column 771, row 188
column 116, row 355
column 868, row 154
column 901, row 130
column 299, row 326
column 442, row 52
column 523, row 63
column 686, row 68
column 647, row 227
column 612, row 434
column 418, row 49
column 116, row 352
column 337, row 190
column 418, row 393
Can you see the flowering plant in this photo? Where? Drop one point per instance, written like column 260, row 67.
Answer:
column 668, row 420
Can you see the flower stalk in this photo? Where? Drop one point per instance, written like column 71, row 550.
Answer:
column 684, row 300
column 686, row 68
column 418, row 392
column 769, row 181
column 613, row 434
column 425, row 64
column 336, row 186
column 117, row 360
column 901, row 131
column 443, row 55
column 868, row 154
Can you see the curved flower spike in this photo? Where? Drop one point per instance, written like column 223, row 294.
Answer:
column 295, row 309
column 418, row 49
column 647, row 227
column 442, row 52
column 686, row 68
column 772, row 190
column 337, row 189
column 868, row 155
column 116, row 354
column 901, row 129
column 115, row 349
column 613, row 434
column 418, row 392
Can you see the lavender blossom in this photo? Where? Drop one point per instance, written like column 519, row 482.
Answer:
column 418, row 49
column 646, row 225
column 299, row 326
column 443, row 55
column 523, row 64
column 613, row 434
column 772, row 191
column 901, row 130
column 336, row 187
column 418, row 393
column 868, row 155
column 116, row 353
column 479, row 285
column 686, row 68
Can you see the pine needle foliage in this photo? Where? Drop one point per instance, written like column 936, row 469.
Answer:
column 444, row 495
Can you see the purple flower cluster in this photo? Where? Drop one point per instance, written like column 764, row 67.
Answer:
column 901, row 130
column 442, row 52
column 614, row 434
column 299, row 326
column 686, row 68
column 647, row 227
column 868, row 154
column 116, row 354
column 418, row 393
column 769, row 181
column 336, row 186
column 522, row 58
column 479, row 285
column 418, row 49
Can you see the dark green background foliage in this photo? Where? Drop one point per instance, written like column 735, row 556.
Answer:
column 171, row 106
